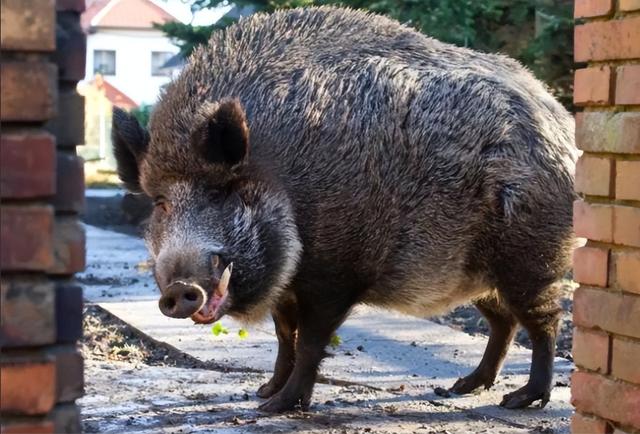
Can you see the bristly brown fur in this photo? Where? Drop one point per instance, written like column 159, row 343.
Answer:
column 382, row 167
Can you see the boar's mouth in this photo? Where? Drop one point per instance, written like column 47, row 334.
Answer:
column 215, row 305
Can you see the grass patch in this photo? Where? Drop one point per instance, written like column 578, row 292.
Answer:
column 99, row 177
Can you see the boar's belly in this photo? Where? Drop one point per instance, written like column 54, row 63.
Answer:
column 424, row 298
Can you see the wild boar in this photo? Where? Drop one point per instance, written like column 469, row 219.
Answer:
column 313, row 159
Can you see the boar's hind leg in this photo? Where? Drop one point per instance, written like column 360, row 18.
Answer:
column 286, row 322
column 317, row 322
column 538, row 312
column 503, row 327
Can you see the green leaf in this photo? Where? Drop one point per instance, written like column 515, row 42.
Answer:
column 243, row 334
column 218, row 329
column 335, row 341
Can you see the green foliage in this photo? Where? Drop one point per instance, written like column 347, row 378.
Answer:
column 539, row 33
column 550, row 54
column 219, row 329
column 188, row 37
column 142, row 114
column 335, row 341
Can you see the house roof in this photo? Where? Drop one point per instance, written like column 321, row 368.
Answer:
column 129, row 14
column 113, row 94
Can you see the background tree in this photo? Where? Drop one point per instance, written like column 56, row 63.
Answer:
column 539, row 33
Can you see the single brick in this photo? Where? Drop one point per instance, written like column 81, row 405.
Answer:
column 592, row 8
column 28, row 25
column 27, row 237
column 593, row 175
column 591, row 349
column 68, row 313
column 628, row 84
column 613, row 312
column 70, row 5
column 68, row 126
column 608, row 132
column 28, row 92
column 605, row 40
column 69, row 184
column 609, row 399
column 629, row 5
column 69, row 372
column 628, row 180
column 593, row 221
column 27, row 388
column 27, row 312
column 69, row 246
column 71, row 41
column 592, row 86
column 627, row 271
column 582, row 424
column 626, row 225
column 591, row 265
column 27, row 165
column 66, row 418
column 624, row 359
column 37, row 426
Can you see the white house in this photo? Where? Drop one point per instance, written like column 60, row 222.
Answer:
column 125, row 49
column 126, row 59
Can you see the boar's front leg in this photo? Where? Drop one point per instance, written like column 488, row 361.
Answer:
column 285, row 317
column 317, row 321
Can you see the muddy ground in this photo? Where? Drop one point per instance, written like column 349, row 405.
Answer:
column 141, row 386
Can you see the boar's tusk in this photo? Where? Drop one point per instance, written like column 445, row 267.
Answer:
column 224, row 280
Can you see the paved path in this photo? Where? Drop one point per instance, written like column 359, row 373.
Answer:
column 387, row 366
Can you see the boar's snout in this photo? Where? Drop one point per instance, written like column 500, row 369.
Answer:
column 181, row 300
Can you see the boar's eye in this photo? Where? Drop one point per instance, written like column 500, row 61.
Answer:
column 161, row 203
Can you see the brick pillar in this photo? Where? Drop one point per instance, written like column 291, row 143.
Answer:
column 42, row 192
column 606, row 385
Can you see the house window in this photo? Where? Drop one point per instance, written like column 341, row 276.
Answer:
column 158, row 59
column 104, row 62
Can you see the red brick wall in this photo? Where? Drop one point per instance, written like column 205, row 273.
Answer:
column 606, row 385
column 42, row 192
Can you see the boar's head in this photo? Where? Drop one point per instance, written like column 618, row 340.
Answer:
column 222, row 233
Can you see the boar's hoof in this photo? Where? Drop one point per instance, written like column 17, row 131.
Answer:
column 280, row 404
column 267, row 390
column 524, row 396
column 471, row 382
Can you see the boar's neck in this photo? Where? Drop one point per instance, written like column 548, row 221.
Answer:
column 275, row 245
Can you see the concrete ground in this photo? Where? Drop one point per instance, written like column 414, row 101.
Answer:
column 381, row 377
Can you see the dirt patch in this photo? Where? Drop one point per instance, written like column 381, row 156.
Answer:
column 108, row 338
column 134, row 385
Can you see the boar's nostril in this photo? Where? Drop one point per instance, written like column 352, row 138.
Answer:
column 191, row 296
column 167, row 304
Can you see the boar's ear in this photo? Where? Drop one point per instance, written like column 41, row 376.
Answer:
column 222, row 137
column 130, row 142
